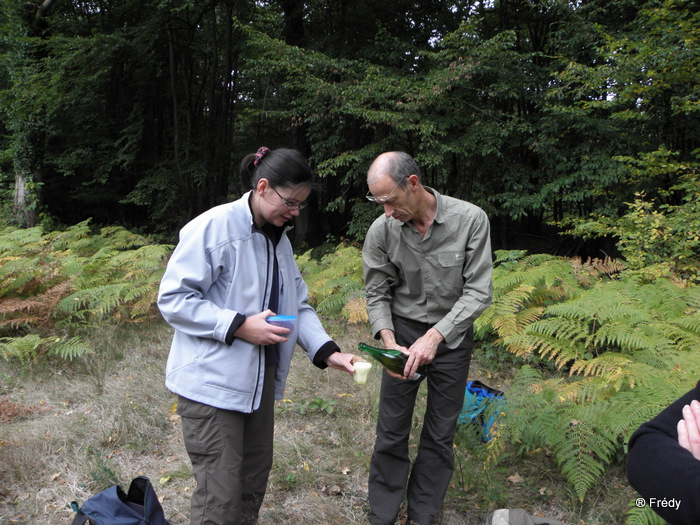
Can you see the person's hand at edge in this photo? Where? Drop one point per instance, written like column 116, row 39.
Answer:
column 689, row 429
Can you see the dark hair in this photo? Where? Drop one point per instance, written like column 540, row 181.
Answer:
column 281, row 167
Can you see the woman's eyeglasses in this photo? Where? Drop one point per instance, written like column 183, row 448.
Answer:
column 289, row 205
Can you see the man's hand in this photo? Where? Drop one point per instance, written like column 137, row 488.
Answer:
column 689, row 429
column 422, row 351
column 255, row 329
column 389, row 342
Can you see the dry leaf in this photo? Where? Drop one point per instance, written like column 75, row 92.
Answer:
column 515, row 478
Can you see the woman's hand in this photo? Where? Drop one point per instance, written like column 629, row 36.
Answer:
column 255, row 329
column 341, row 361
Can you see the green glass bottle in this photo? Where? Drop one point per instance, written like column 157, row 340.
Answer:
column 392, row 360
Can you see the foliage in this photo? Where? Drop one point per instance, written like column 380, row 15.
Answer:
column 478, row 467
column 643, row 516
column 605, row 346
column 303, row 407
column 626, row 342
column 54, row 284
column 138, row 112
column 32, row 347
column 661, row 232
column 336, row 284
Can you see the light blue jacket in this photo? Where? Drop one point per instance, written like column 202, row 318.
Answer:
column 223, row 266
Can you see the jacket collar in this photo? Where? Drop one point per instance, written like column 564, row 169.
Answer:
column 247, row 198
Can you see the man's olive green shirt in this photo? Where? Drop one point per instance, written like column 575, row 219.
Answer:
column 442, row 279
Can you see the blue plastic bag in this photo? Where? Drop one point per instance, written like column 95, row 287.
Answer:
column 482, row 406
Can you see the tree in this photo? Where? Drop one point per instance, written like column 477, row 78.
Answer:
column 137, row 112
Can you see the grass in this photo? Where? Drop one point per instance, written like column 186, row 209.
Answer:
column 70, row 430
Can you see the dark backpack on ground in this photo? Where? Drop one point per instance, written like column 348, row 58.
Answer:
column 140, row 506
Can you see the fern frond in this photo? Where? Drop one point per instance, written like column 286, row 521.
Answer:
column 602, row 304
column 74, row 238
column 334, row 280
column 526, row 285
column 628, row 336
column 608, row 364
column 147, row 258
column 68, row 350
column 642, row 516
column 21, row 348
column 331, row 304
column 505, row 325
column 100, row 299
column 690, row 323
column 121, row 238
column 583, row 454
column 508, row 256
column 568, row 330
column 21, row 241
column 29, row 347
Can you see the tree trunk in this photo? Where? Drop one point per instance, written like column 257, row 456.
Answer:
column 24, row 200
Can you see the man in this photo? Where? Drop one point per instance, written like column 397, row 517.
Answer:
column 427, row 268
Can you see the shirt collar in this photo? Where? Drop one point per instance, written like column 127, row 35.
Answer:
column 439, row 214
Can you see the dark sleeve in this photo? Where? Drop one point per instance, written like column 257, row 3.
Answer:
column 235, row 325
column 327, row 349
column 665, row 474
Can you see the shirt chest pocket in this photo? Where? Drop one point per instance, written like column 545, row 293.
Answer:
column 450, row 259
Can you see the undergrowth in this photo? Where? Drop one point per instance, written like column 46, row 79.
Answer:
column 55, row 284
column 623, row 345
column 598, row 347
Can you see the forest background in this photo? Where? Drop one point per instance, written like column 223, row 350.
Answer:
column 573, row 124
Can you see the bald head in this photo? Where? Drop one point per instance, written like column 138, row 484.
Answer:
column 396, row 164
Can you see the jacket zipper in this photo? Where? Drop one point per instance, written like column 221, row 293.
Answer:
column 267, row 284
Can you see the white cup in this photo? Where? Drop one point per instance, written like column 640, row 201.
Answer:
column 362, row 369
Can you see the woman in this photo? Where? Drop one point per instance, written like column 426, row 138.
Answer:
column 233, row 268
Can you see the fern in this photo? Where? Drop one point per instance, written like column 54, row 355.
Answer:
column 627, row 341
column 30, row 347
column 335, row 282
column 63, row 279
column 521, row 290
column 581, row 448
column 68, row 349
column 584, row 429
column 642, row 516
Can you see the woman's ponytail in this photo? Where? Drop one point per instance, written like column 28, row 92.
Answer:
column 281, row 167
